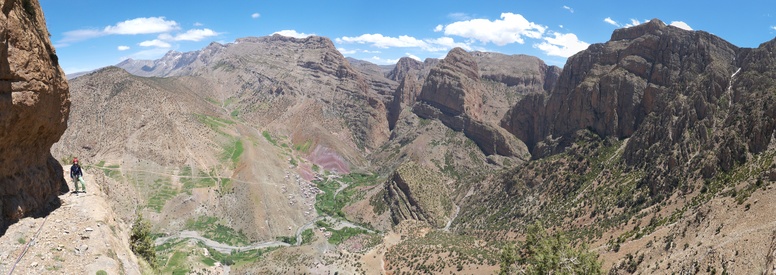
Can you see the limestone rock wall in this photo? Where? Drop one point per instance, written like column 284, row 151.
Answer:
column 34, row 106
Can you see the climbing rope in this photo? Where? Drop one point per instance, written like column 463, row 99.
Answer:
column 35, row 238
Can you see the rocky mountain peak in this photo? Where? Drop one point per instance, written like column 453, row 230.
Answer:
column 404, row 66
column 453, row 86
column 654, row 26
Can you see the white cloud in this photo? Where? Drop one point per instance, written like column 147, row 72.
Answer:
column 293, row 33
column 611, row 21
column 449, row 43
column 439, row 28
column 123, row 48
column 381, row 41
column 194, row 35
column 681, row 25
column 403, row 41
column 412, row 56
column 150, row 54
column 345, row 51
column 142, row 25
column 197, row 24
column 773, row 27
column 80, row 35
column 562, row 44
column 635, row 22
column 155, row 43
column 569, row 9
column 368, row 51
column 459, row 16
column 255, row 15
column 511, row 28
column 381, row 61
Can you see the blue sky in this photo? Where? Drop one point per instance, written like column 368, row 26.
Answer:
column 90, row 34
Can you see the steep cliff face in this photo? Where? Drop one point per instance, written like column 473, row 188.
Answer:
column 410, row 73
column 453, row 93
column 454, row 85
column 689, row 102
column 34, row 106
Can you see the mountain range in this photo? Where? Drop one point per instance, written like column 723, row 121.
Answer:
column 653, row 150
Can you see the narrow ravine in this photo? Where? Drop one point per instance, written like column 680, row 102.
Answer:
column 455, row 215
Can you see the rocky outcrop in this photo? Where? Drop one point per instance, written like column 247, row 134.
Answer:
column 491, row 139
column 454, row 85
column 34, row 107
column 416, row 193
column 411, row 74
column 690, row 102
column 528, row 73
column 453, row 94
column 405, row 67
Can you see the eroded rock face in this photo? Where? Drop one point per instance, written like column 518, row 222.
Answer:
column 34, row 106
column 453, row 94
column 411, row 74
column 454, row 85
column 690, row 102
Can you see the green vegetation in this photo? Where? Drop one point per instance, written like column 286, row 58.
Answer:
column 110, row 171
column 308, row 236
column 214, row 123
column 339, row 236
column 161, row 191
column 226, row 185
column 328, row 204
column 21, row 240
column 232, row 151
column 423, row 254
column 202, row 180
column 241, row 257
column 102, row 272
column 293, row 162
column 141, row 242
column 223, row 65
column 269, row 138
column 211, row 100
column 212, row 228
column 287, row 239
column 304, row 147
column 542, row 253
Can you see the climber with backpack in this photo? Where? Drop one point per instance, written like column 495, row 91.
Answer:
column 77, row 176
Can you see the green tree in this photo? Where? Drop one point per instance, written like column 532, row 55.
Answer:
column 507, row 259
column 141, row 242
column 542, row 253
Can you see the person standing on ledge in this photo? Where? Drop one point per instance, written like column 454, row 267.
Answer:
column 77, row 176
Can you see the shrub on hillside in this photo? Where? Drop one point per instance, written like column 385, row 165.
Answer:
column 542, row 253
column 141, row 241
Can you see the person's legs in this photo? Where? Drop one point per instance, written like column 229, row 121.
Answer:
column 83, row 185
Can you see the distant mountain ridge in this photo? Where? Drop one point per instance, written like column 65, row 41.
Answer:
column 634, row 145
